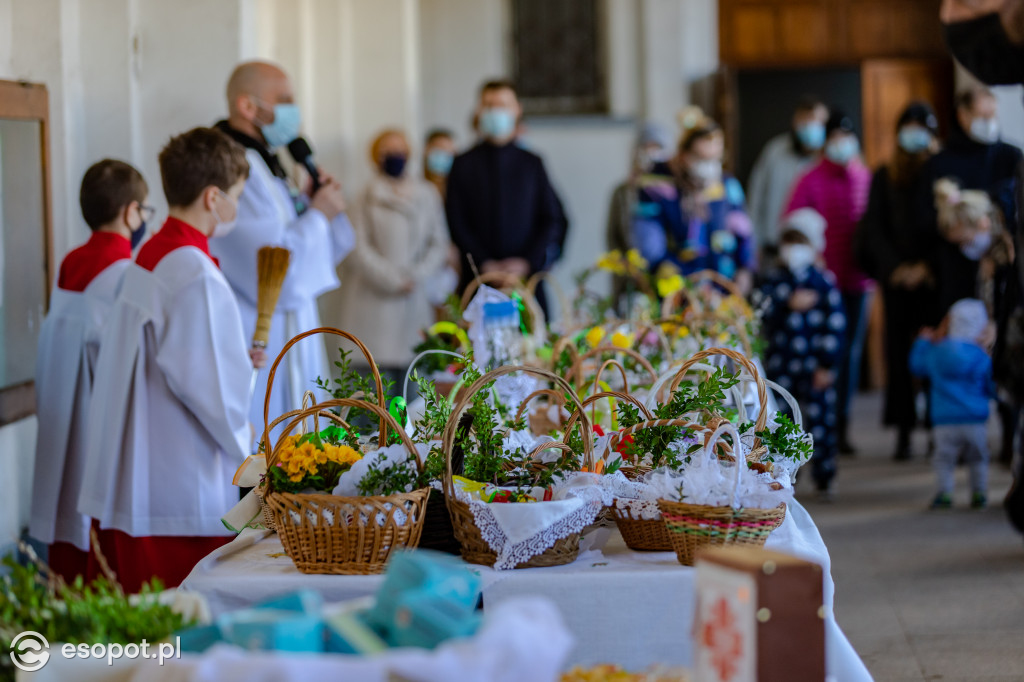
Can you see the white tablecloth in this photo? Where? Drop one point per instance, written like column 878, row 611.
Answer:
column 630, row 608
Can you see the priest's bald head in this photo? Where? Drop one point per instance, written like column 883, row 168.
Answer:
column 261, row 103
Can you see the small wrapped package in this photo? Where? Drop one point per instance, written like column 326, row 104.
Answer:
column 759, row 617
column 414, row 575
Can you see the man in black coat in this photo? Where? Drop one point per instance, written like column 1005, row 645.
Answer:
column 502, row 211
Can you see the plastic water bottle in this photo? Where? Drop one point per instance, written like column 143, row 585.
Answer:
column 504, row 340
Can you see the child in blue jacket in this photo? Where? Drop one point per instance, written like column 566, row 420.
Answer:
column 960, row 374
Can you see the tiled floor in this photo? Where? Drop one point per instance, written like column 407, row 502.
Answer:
column 922, row 595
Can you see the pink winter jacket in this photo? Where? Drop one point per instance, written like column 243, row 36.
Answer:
column 840, row 195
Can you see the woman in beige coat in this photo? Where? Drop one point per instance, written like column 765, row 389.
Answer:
column 401, row 249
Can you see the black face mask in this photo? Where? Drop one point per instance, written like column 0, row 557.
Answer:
column 137, row 235
column 985, row 50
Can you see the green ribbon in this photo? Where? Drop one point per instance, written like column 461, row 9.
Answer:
column 334, row 434
column 518, row 300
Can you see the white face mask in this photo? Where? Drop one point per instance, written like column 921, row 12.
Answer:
column 224, row 227
column 708, row 171
column 798, row 257
column 978, row 245
column 984, row 130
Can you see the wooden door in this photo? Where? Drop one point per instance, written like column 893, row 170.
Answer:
column 888, row 86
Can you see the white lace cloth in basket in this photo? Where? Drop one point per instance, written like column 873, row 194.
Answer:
column 517, row 532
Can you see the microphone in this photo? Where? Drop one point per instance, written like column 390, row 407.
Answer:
column 303, row 153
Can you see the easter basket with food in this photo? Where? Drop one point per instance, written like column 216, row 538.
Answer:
column 329, row 533
column 521, row 501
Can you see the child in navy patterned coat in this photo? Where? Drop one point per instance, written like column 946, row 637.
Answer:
column 803, row 326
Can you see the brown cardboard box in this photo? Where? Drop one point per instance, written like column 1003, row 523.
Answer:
column 759, row 617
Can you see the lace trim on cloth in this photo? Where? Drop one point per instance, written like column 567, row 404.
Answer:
column 511, row 555
column 646, row 510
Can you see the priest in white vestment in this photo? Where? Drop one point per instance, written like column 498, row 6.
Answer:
column 263, row 117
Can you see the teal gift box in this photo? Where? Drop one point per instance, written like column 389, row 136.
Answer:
column 422, row 590
column 303, row 601
column 423, row 620
column 349, row 633
column 275, row 630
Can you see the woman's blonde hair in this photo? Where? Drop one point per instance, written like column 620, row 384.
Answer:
column 963, row 207
column 696, row 126
column 378, row 142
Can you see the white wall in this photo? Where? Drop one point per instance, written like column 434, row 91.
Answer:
column 122, row 76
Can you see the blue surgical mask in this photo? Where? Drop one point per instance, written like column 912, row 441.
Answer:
column 914, row 139
column 811, row 135
column 497, row 123
column 843, row 150
column 439, row 162
column 394, row 165
column 286, row 126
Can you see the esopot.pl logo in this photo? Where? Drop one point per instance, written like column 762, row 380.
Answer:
column 30, row 651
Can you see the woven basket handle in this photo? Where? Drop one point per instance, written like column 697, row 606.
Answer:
column 762, row 390
column 540, row 392
column 324, row 407
column 576, row 371
column 483, row 278
column 651, row 424
column 415, row 360
column 614, row 395
column 622, row 373
column 550, row 445
column 798, row 416
column 676, row 305
column 463, row 403
column 546, row 276
column 741, row 462
column 336, row 332
column 322, row 413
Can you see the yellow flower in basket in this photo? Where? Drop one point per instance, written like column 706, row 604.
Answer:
column 612, row 262
column 312, row 463
column 594, row 336
column 635, row 260
column 620, row 340
column 667, row 286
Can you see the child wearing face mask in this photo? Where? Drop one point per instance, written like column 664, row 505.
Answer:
column 168, row 420
column 113, row 199
column 960, row 379
column 803, row 325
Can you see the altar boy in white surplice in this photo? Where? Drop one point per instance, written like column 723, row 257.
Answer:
column 113, row 202
column 263, row 117
column 168, row 419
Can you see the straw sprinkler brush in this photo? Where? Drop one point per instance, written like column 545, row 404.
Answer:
column 271, row 268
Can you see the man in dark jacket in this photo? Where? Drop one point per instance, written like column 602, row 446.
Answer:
column 502, row 210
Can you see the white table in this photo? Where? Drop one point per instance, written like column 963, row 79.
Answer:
column 630, row 608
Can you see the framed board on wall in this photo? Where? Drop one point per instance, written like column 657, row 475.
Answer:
column 26, row 240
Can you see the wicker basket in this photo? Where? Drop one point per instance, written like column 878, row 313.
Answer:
column 642, row 535
column 693, row 526
column 645, row 535
column 474, row 548
column 343, row 535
